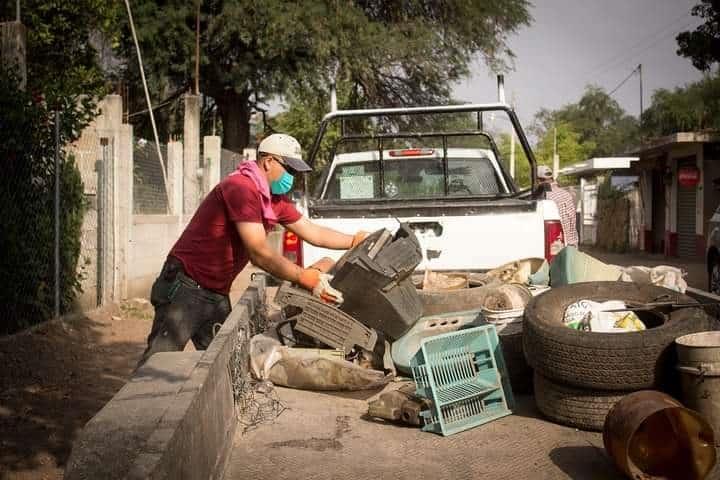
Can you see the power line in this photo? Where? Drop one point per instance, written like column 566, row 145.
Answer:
column 623, row 82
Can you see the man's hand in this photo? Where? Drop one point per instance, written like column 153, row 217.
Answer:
column 358, row 238
column 319, row 284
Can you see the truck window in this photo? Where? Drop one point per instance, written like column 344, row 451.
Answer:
column 413, row 178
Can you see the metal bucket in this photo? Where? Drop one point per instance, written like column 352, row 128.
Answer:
column 699, row 366
column 650, row 435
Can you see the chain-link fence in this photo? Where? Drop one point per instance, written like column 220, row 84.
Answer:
column 149, row 193
column 229, row 161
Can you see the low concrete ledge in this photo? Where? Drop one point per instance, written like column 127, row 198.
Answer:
column 175, row 418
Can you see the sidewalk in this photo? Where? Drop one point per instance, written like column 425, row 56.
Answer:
column 697, row 276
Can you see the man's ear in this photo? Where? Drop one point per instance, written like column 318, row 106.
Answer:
column 263, row 163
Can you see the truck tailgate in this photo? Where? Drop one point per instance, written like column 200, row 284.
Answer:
column 460, row 239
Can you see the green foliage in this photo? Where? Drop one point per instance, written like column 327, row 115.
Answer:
column 522, row 164
column 702, row 45
column 27, row 205
column 602, row 126
column 693, row 107
column 386, row 53
column 570, row 148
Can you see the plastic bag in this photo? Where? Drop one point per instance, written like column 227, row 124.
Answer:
column 662, row 276
column 309, row 368
column 590, row 316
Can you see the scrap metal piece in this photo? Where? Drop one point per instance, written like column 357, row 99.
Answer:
column 325, row 322
column 400, row 405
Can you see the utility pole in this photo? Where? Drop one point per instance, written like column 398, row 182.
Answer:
column 17, row 11
column 197, row 49
column 641, row 95
column 556, row 157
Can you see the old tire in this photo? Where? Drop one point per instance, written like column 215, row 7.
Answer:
column 520, row 373
column 605, row 361
column 572, row 406
column 437, row 302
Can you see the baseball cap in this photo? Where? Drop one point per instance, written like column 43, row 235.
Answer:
column 287, row 148
column 544, row 172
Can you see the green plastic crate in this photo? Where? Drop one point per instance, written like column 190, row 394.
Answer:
column 463, row 373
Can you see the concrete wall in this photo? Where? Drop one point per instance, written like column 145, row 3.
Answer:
column 152, row 238
column 176, row 417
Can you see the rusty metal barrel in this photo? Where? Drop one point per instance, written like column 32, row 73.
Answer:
column 650, row 435
column 699, row 366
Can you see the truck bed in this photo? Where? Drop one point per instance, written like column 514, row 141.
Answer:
column 327, row 435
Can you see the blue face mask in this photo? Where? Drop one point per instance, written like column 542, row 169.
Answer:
column 282, row 185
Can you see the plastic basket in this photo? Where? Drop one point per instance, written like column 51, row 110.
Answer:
column 464, row 375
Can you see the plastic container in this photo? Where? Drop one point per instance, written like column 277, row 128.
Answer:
column 462, row 373
column 406, row 347
column 509, row 326
column 375, row 279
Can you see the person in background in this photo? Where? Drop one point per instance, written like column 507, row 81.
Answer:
column 229, row 229
column 564, row 201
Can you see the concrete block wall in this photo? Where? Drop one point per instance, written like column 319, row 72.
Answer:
column 176, row 417
column 152, row 237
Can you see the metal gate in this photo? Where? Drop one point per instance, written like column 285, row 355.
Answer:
column 686, row 204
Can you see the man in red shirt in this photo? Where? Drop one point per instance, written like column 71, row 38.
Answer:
column 229, row 229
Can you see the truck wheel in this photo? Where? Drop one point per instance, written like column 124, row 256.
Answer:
column 572, row 406
column 607, row 361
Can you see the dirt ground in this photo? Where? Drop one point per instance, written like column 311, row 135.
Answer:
column 55, row 377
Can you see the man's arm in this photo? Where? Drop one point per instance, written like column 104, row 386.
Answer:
column 261, row 254
column 320, row 236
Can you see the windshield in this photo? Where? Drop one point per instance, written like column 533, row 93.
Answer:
column 476, row 173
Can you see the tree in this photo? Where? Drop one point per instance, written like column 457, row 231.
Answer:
column 522, row 164
column 389, row 53
column 62, row 60
column 597, row 119
column 693, row 107
column 702, row 45
column 570, row 148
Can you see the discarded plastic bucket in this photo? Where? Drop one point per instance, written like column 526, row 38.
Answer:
column 505, row 321
column 699, row 366
column 650, row 435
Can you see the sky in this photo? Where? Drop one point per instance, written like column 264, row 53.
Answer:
column 573, row 43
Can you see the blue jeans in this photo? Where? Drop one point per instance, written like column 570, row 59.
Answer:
column 183, row 311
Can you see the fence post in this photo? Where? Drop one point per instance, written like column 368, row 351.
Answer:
column 125, row 170
column 211, row 152
column 175, row 177
column 191, row 153
column 57, row 214
column 13, row 47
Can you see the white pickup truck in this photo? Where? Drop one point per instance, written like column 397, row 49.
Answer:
column 437, row 169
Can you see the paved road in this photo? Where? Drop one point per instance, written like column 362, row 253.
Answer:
column 327, row 436
column 696, row 269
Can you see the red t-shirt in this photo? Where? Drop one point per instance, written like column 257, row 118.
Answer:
column 210, row 248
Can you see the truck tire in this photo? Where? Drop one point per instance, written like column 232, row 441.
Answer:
column 572, row 406
column 437, row 302
column 607, row 361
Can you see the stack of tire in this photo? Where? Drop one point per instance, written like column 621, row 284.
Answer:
column 579, row 375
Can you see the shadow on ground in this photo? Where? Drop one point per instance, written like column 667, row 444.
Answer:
column 54, row 379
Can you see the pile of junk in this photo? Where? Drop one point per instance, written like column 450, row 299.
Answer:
column 622, row 350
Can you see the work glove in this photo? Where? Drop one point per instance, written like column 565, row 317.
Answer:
column 318, row 283
column 358, row 238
